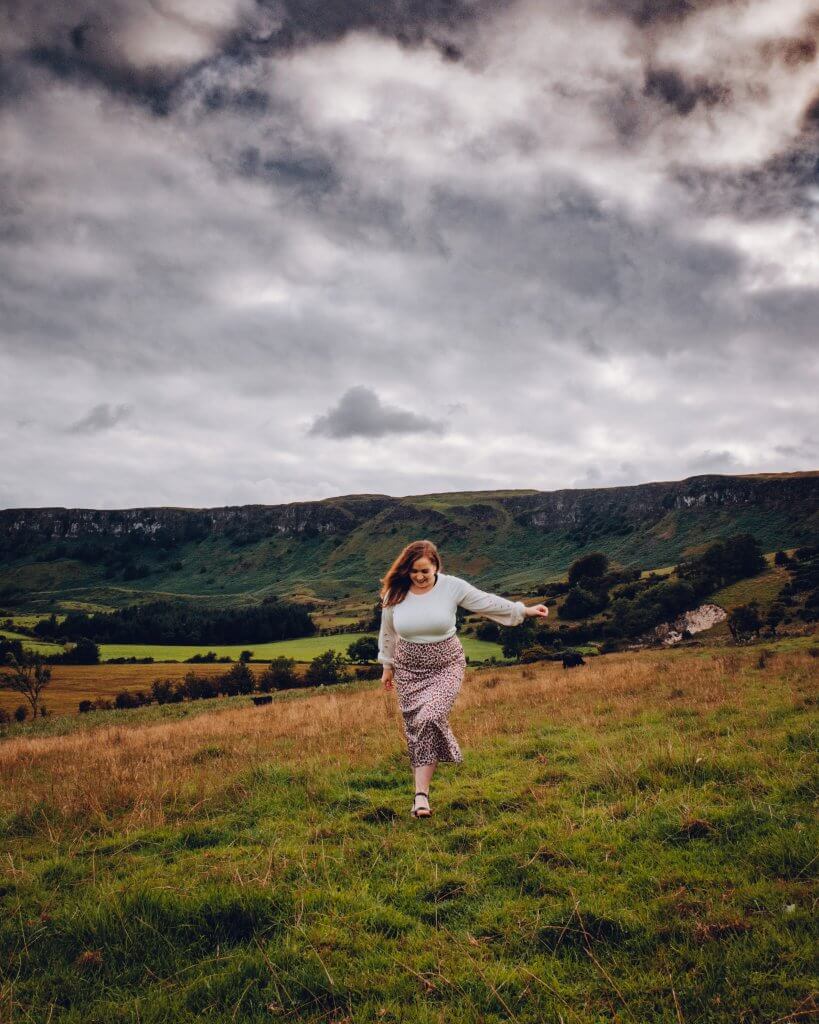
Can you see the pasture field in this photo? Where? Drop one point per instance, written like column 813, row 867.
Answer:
column 72, row 683
column 632, row 841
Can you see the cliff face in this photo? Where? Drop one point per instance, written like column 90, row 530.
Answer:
column 564, row 509
column 336, row 516
column 546, row 511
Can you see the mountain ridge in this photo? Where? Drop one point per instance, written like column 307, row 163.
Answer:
column 332, row 548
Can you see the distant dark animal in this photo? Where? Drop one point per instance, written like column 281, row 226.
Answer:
column 571, row 659
column 267, row 699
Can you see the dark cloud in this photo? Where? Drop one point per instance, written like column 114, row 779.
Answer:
column 361, row 413
column 793, row 51
column 669, row 86
column 88, row 41
column 775, row 187
column 249, row 101
column 552, row 264
column 101, row 417
column 295, row 23
column 650, row 12
column 311, row 173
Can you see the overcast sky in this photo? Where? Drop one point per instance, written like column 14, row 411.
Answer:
column 280, row 250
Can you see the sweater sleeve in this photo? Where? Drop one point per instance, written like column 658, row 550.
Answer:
column 386, row 637
column 491, row 606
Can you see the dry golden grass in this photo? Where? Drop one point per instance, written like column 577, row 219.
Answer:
column 142, row 775
column 72, row 683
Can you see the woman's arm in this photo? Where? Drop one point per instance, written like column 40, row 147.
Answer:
column 492, row 606
column 386, row 644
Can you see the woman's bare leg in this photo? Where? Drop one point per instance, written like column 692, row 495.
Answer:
column 423, row 777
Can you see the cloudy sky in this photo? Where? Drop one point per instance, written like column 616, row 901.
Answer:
column 279, row 250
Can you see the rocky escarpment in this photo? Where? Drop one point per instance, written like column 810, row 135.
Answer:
column 628, row 506
column 614, row 509
column 333, row 516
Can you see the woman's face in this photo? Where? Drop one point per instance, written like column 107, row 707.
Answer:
column 423, row 572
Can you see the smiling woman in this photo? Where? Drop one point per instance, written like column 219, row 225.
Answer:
column 421, row 652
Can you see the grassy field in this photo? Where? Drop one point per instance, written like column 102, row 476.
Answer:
column 633, row 841
column 72, row 683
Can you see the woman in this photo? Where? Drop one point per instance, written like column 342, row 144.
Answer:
column 419, row 648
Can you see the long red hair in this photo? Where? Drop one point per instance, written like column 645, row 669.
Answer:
column 395, row 585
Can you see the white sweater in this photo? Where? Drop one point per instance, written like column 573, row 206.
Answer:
column 430, row 617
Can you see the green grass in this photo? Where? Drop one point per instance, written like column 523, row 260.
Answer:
column 302, row 649
column 763, row 588
column 655, row 868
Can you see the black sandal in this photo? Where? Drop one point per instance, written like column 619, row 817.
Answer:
column 421, row 812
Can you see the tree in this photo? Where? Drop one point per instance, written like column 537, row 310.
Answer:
column 489, row 631
column 165, row 691
column 744, row 622
column 590, row 567
column 27, row 675
column 326, row 669
column 245, row 657
column 514, row 638
column 20, row 713
column 239, row 679
column 7, row 647
column 280, row 674
column 84, row 652
column 781, row 558
column 776, row 613
column 580, row 602
column 362, row 650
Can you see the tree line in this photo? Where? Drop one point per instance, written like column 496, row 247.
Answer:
column 169, row 622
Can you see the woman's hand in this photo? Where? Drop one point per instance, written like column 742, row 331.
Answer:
column 386, row 677
column 537, row 609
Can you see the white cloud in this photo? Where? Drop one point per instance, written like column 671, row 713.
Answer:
column 397, row 273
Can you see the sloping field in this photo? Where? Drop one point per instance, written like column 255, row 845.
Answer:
column 634, row 841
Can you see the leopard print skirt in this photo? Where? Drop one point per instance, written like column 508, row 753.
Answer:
column 427, row 679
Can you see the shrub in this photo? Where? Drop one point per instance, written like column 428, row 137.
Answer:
column 580, row 602
column 84, row 652
column 369, row 671
column 489, row 631
column 362, row 650
column 200, row 687
column 236, row 680
column 20, row 713
column 166, row 691
column 589, row 567
column 744, row 622
column 280, row 674
column 5, row 718
column 126, row 699
column 536, row 652
column 326, row 670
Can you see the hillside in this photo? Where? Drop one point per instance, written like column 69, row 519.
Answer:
column 336, row 549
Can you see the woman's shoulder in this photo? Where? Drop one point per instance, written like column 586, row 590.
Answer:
column 452, row 582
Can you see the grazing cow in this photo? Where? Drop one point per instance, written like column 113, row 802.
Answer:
column 572, row 658
column 267, row 699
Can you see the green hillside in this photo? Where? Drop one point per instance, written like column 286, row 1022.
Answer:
column 335, row 551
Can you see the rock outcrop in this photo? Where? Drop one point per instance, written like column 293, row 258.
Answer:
column 695, row 621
